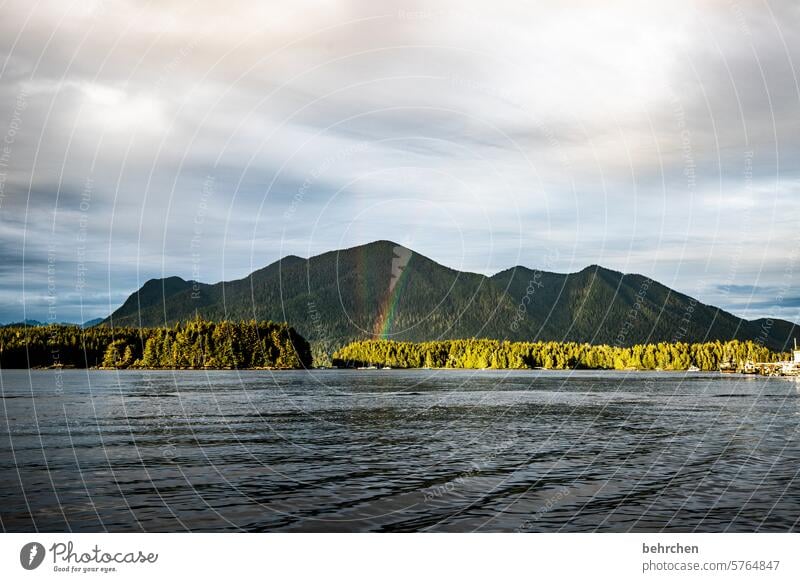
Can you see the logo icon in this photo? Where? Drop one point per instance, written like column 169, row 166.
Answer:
column 31, row 555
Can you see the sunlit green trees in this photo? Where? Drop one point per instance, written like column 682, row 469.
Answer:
column 118, row 355
column 485, row 353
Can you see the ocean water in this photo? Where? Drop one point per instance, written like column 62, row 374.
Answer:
column 395, row 450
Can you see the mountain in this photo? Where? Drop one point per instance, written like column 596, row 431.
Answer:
column 26, row 323
column 37, row 323
column 382, row 289
column 601, row 306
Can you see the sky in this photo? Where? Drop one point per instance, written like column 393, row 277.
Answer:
column 206, row 140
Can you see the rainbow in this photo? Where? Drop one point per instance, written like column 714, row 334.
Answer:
column 385, row 320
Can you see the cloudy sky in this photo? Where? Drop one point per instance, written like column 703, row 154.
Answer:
column 207, row 139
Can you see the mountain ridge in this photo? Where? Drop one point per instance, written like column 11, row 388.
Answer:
column 383, row 289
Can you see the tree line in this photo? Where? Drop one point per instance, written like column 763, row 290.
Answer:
column 196, row 344
column 487, row 353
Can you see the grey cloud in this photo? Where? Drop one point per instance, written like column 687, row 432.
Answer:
column 614, row 135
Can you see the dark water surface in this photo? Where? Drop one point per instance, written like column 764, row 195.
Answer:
column 396, row 450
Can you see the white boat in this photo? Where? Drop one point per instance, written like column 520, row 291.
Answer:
column 693, row 369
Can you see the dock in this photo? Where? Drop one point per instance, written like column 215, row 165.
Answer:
column 782, row 368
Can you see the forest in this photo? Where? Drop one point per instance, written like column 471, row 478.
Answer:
column 487, row 353
column 201, row 344
column 196, row 344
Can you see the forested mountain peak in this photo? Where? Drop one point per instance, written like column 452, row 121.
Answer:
column 385, row 290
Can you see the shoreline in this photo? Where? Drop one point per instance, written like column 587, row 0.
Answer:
column 390, row 369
